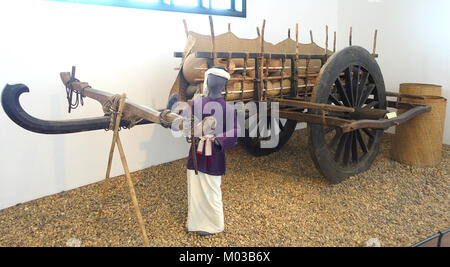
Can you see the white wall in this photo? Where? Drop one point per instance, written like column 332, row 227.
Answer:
column 114, row 49
column 413, row 38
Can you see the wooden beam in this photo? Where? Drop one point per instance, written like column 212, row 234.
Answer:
column 310, row 105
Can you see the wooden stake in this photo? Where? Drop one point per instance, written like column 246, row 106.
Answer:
column 229, row 27
column 351, row 36
column 194, row 145
column 375, row 42
column 295, row 63
column 311, row 35
column 289, row 33
column 213, row 39
column 132, row 193
column 326, row 40
column 296, row 41
column 111, row 153
column 262, row 36
column 186, row 28
column 334, row 43
column 262, row 58
column 116, row 140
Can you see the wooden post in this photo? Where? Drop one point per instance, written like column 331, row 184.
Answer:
column 132, row 193
column 257, row 32
column 295, row 73
column 375, row 42
column 334, row 43
column 111, row 153
column 116, row 140
column 193, row 143
column 351, row 36
column 296, row 40
column 262, row 58
column 311, row 35
column 213, row 39
column 289, row 33
column 326, row 41
column 229, row 27
column 186, row 28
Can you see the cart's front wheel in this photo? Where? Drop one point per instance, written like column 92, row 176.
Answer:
column 351, row 78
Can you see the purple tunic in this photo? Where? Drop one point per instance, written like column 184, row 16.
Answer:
column 226, row 136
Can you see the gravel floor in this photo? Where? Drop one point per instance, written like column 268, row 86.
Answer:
column 278, row 200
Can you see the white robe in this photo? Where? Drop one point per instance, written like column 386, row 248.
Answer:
column 205, row 208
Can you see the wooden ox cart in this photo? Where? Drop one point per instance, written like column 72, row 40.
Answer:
column 340, row 95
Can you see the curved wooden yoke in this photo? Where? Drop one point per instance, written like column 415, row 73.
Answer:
column 130, row 109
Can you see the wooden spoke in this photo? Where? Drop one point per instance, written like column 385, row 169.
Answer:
column 354, row 148
column 335, row 140
column 280, row 125
column 361, row 142
column 277, row 127
column 348, row 85
column 367, row 92
column 369, row 133
column 341, row 91
column 362, row 87
column 335, row 100
column 372, row 104
column 340, row 147
column 355, row 84
column 348, row 144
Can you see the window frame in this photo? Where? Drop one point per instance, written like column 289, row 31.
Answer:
column 161, row 6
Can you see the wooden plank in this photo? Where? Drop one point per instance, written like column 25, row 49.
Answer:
column 310, row 105
column 314, row 119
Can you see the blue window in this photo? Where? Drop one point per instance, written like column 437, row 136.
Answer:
column 235, row 8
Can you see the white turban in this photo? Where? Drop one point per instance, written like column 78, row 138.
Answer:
column 214, row 71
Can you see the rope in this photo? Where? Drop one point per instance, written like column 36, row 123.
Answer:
column 110, row 108
column 69, row 95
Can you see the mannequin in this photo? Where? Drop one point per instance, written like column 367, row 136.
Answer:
column 205, row 208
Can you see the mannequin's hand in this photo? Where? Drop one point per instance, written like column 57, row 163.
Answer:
column 217, row 143
column 202, row 128
column 209, row 126
column 187, row 126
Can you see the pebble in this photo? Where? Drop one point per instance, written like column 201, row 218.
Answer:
column 276, row 200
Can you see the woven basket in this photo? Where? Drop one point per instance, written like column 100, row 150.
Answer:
column 419, row 141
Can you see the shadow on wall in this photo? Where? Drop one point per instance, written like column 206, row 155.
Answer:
column 159, row 150
column 58, row 148
column 161, row 147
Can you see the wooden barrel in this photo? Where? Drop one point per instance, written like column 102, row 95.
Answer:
column 419, row 141
column 191, row 68
column 195, row 68
column 278, row 88
column 421, row 89
column 235, row 90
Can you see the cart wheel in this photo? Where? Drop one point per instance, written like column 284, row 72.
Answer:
column 350, row 78
column 283, row 128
